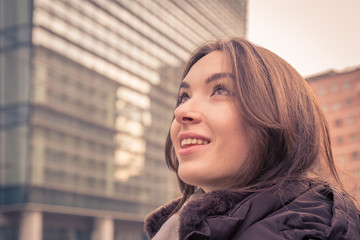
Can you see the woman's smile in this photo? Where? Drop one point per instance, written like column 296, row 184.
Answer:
column 191, row 142
column 191, row 145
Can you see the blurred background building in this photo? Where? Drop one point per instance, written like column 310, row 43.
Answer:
column 339, row 95
column 87, row 90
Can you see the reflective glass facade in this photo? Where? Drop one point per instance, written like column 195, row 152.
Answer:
column 87, row 90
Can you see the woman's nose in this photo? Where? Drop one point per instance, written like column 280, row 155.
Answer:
column 188, row 113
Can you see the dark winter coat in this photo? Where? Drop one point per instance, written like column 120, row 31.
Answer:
column 301, row 212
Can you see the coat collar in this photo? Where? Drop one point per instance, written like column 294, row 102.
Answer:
column 217, row 203
column 194, row 212
column 158, row 217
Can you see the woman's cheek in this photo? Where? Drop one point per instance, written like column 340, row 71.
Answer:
column 174, row 132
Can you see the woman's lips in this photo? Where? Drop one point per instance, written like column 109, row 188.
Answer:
column 191, row 142
column 186, row 142
column 191, row 145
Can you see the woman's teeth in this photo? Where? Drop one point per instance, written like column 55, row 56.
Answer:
column 193, row 141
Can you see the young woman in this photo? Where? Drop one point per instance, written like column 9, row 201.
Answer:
column 250, row 146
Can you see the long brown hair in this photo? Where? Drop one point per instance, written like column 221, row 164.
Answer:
column 287, row 129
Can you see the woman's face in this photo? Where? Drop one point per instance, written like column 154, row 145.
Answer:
column 208, row 133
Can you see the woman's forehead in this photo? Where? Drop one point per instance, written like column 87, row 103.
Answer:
column 212, row 63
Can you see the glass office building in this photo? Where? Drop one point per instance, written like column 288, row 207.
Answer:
column 87, row 90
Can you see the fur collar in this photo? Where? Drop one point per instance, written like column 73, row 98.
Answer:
column 158, row 217
column 194, row 212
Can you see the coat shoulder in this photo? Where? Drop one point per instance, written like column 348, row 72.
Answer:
column 319, row 212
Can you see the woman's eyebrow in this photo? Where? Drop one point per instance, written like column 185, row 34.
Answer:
column 217, row 76
column 211, row 78
column 184, row 85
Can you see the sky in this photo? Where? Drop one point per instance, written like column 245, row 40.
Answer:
column 314, row 36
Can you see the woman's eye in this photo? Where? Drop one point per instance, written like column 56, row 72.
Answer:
column 220, row 90
column 183, row 97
